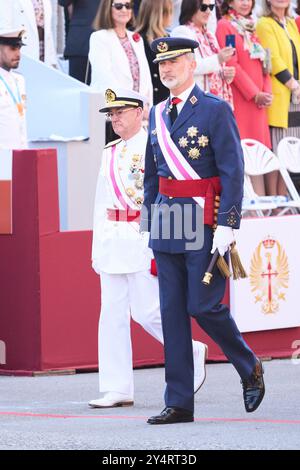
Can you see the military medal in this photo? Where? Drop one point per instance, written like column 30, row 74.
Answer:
column 139, row 183
column 123, row 151
column 192, row 131
column 17, row 101
column 203, row 141
column 183, row 142
column 194, row 153
column 139, row 200
column 130, row 192
column 20, row 107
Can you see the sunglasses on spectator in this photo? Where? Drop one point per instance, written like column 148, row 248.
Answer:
column 204, row 7
column 119, row 6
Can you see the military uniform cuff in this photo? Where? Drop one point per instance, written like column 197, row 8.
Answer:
column 230, row 218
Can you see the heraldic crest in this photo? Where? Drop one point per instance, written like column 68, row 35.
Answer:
column 269, row 274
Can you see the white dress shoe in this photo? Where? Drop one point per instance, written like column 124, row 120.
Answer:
column 112, row 400
column 200, row 354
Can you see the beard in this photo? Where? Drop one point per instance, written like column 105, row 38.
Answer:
column 170, row 82
column 173, row 83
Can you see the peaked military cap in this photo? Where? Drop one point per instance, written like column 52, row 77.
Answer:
column 11, row 37
column 170, row 47
column 121, row 98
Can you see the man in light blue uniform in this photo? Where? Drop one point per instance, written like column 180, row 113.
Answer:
column 193, row 155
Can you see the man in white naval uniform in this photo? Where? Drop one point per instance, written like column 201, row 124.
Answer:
column 13, row 134
column 121, row 256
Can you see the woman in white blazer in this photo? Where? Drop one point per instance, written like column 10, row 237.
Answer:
column 20, row 14
column 115, row 64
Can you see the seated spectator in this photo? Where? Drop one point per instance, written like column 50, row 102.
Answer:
column 211, row 74
column 153, row 19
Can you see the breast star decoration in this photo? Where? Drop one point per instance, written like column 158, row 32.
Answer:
column 194, row 153
column 190, row 139
column 183, row 142
column 192, row 131
column 203, row 141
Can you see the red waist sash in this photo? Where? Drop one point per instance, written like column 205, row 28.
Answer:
column 207, row 188
column 118, row 215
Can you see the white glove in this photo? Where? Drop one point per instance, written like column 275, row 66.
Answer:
column 223, row 238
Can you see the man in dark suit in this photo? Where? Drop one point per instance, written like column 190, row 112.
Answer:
column 194, row 184
column 80, row 28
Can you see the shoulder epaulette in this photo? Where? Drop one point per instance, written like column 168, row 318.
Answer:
column 114, row 142
column 210, row 95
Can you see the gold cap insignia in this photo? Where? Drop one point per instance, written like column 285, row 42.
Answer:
column 110, row 96
column 162, row 47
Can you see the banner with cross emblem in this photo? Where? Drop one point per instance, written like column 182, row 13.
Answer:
column 268, row 298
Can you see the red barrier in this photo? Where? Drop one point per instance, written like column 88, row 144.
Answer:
column 49, row 295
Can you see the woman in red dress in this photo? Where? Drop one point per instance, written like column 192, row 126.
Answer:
column 251, row 86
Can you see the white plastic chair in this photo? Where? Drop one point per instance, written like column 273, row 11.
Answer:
column 260, row 160
column 252, row 204
column 288, row 152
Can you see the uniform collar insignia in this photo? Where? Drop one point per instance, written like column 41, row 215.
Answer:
column 193, row 99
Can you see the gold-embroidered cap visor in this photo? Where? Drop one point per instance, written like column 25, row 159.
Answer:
column 170, row 55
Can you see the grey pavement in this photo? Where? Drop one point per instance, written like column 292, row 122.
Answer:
column 52, row 413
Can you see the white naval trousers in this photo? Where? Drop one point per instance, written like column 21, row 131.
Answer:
column 122, row 295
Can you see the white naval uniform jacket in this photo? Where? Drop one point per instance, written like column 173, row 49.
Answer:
column 13, row 133
column 119, row 247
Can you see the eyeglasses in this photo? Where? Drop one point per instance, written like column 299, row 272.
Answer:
column 204, row 7
column 118, row 114
column 119, row 6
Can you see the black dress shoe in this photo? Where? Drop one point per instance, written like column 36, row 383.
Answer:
column 172, row 415
column 254, row 388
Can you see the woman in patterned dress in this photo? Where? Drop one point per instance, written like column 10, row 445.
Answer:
column 117, row 55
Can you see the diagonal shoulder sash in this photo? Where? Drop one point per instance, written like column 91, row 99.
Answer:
column 120, row 197
column 178, row 165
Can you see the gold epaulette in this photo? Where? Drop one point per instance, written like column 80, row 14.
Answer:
column 114, row 142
